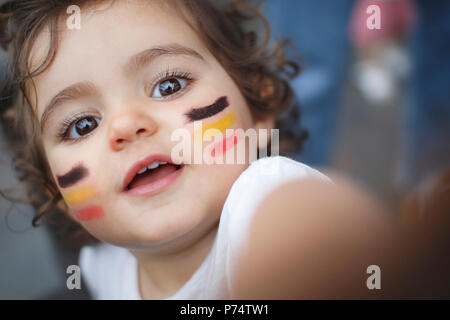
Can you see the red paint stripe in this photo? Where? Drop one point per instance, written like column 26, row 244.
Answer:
column 93, row 212
column 225, row 144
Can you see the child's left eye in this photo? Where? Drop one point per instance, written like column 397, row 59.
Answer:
column 168, row 87
column 170, row 83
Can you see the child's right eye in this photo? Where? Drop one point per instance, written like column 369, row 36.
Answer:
column 78, row 128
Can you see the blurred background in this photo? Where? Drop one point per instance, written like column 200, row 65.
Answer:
column 374, row 97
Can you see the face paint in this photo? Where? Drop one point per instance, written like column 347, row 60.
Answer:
column 90, row 213
column 209, row 111
column 73, row 176
column 226, row 144
column 80, row 195
column 221, row 125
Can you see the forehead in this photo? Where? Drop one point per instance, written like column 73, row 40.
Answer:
column 110, row 34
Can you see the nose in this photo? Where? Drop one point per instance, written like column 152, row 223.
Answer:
column 128, row 127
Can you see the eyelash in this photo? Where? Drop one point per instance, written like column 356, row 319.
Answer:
column 163, row 76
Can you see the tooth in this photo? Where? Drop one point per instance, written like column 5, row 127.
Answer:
column 142, row 170
column 154, row 165
column 163, row 162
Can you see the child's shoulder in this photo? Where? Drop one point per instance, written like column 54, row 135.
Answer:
column 280, row 167
column 261, row 178
column 266, row 174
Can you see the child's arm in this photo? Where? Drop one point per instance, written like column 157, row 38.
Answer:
column 312, row 239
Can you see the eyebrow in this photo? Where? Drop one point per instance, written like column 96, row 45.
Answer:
column 73, row 92
column 143, row 58
column 136, row 62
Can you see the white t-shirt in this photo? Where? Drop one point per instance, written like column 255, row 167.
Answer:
column 110, row 272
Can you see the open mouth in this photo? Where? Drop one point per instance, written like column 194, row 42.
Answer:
column 151, row 175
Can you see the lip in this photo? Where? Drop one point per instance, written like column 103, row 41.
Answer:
column 151, row 187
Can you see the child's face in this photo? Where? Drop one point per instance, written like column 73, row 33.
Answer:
column 126, row 110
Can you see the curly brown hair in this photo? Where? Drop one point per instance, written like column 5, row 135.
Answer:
column 222, row 25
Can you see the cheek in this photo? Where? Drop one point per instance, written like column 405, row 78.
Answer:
column 218, row 182
column 75, row 175
column 78, row 189
column 82, row 201
column 80, row 195
column 218, row 149
column 89, row 213
column 210, row 130
column 77, row 180
column 244, row 117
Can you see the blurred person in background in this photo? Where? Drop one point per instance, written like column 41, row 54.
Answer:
column 321, row 31
column 382, row 63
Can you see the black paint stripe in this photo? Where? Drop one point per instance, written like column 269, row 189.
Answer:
column 73, row 176
column 209, row 111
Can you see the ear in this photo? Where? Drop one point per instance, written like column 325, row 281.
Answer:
column 267, row 88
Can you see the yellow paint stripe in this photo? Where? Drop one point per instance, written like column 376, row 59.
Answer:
column 80, row 195
column 221, row 125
